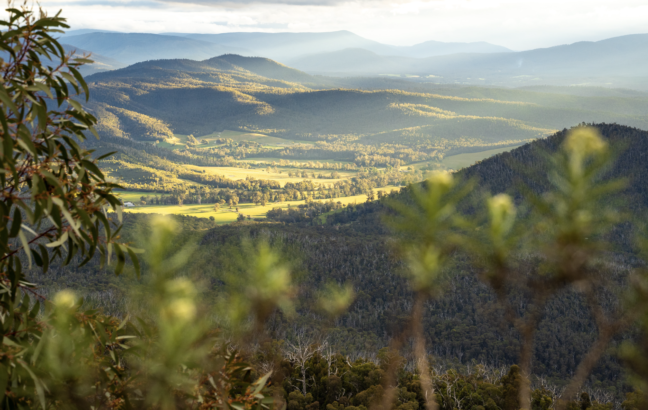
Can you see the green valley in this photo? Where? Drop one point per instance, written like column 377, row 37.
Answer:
column 255, row 131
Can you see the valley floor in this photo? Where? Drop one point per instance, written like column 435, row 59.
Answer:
column 226, row 215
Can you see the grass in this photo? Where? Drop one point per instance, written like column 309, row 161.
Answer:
column 268, row 160
column 260, row 173
column 247, row 136
column 180, row 141
column 225, row 215
column 459, row 161
column 134, row 196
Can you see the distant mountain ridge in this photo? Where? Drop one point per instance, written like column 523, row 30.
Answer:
column 227, row 63
column 284, row 47
column 620, row 62
column 130, row 48
column 248, row 93
column 615, row 58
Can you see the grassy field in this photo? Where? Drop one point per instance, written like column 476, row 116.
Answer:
column 246, row 136
column 134, row 196
column 268, row 160
column 258, row 173
column 180, row 141
column 459, row 161
column 225, row 215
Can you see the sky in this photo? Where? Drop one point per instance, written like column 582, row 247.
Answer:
column 516, row 24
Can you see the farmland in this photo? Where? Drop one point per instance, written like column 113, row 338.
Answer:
column 459, row 161
column 261, row 184
column 186, row 140
column 225, row 214
column 215, row 139
column 279, row 174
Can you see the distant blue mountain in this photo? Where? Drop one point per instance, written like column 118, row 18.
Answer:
column 130, row 48
column 625, row 56
column 283, row 47
column 81, row 31
column 287, row 47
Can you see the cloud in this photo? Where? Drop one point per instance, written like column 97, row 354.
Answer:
column 517, row 24
column 154, row 4
column 239, row 3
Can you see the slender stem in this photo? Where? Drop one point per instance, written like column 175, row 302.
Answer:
column 607, row 328
column 421, row 354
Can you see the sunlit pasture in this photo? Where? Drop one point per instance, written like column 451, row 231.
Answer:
column 225, row 214
column 282, row 177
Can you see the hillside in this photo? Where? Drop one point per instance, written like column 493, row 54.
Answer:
column 527, row 166
column 263, row 135
column 254, row 94
column 463, row 326
column 615, row 62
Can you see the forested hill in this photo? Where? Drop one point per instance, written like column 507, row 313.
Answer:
column 164, row 101
column 528, row 166
column 232, row 63
column 463, row 326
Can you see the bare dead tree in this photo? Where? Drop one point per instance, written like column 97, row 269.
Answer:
column 299, row 353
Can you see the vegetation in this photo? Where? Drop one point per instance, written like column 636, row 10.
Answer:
column 369, row 318
column 169, row 119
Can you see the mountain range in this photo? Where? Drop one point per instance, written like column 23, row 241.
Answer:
column 155, row 100
column 609, row 62
column 616, row 62
column 130, row 48
column 286, row 47
column 101, row 63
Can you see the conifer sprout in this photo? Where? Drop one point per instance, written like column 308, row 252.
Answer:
column 581, row 144
column 564, row 232
column 425, row 265
column 64, row 300
column 262, row 287
column 335, row 299
column 430, row 226
column 54, row 207
column 442, row 180
column 269, row 283
column 502, row 215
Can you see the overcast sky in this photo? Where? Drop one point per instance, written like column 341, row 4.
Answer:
column 517, row 24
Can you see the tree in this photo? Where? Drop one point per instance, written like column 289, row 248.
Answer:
column 53, row 193
column 299, row 354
